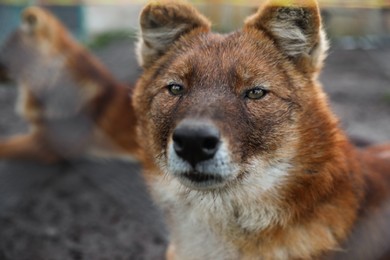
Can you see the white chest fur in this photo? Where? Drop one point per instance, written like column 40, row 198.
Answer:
column 203, row 224
column 192, row 221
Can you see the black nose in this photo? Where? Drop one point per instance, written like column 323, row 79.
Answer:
column 196, row 141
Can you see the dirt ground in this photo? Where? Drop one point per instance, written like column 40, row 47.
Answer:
column 101, row 210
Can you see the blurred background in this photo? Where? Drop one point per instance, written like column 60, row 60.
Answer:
column 346, row 20
column 89, row 209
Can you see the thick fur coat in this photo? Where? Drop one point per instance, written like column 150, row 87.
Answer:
column 242, row 151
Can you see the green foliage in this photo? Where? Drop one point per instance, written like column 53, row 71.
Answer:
column 386, row 97
column 15, row 2
column 27, row 2
column 103, row 39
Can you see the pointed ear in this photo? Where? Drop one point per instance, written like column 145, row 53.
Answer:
column 295, row 26
column 162, row 23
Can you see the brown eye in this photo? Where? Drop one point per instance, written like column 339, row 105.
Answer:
column 175, row 89
column 255, row 93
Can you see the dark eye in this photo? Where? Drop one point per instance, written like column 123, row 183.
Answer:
column 255, row 93
column 175, row 89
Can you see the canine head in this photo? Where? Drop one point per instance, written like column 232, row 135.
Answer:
column 60, row 82
column 42, row 57
column 222, row 109
column 35, row 45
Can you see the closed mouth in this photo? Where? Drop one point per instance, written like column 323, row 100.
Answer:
column 201, row 181
column 201, row 177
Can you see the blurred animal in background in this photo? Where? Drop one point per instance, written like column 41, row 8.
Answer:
column 73, row 104
column 242, row 151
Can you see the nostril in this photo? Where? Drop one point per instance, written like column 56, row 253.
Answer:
column 177, row 143
column 210, row 144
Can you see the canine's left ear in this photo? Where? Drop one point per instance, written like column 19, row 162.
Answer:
column 295, row 26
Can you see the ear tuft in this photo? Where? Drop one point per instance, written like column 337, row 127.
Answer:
column 162, row 23
column 295, row 26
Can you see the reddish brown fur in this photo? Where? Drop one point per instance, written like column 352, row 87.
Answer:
column 331, row 189
column 105, row 120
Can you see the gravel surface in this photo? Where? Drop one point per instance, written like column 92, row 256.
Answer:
column 100, row 210
column 82, row 210
column 358, row 83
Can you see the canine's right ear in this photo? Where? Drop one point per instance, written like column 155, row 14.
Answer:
column 162, row 23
